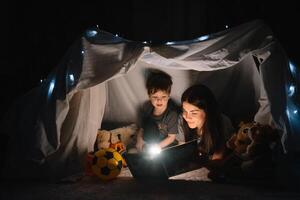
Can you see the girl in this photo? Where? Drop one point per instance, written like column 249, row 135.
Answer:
column 202, row 120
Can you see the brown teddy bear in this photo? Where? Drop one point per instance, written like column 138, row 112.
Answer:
column 253, row 139
column 254, row 145
column 249, row 154
column 240, row 140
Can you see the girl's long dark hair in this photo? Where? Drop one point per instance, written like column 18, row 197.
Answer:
column 212, row 136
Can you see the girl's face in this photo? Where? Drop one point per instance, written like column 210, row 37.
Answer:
column 159, row 100
column 194, row 116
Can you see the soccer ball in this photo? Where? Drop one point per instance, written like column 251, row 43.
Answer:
column 107, row 163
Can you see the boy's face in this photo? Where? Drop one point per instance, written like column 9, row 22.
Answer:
column 159, row 100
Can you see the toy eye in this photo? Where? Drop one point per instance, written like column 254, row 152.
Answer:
column 246, row 130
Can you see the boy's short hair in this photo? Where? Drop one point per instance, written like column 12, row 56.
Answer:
column 158, row 80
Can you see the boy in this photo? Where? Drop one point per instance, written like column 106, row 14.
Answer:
column 159, row 115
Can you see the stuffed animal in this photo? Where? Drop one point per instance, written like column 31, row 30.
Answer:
column 115, row 138
column 240, row 140
column 249, row 154
column 253, row 139
column 254, row 144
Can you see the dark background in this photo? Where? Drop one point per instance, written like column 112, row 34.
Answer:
column 37, row 35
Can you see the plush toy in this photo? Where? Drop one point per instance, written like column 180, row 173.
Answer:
column 254, row 145
column 240, row 140
column 113, row 138
column 253, row 139
column 117, row 139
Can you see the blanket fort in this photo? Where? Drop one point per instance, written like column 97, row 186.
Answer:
column 100, row 82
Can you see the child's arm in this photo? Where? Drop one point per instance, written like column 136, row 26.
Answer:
column 168, row 140
column 139, row 140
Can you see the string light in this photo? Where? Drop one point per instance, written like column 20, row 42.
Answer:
column 292, row 67
column 170, row 43
column 71, row 78
column 51, row 87
column 91, row 33
column 204, row 37
column 291, row 90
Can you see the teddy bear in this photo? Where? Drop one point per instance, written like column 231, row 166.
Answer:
column 249, row 154
column 253, row 145
column 118, row 139
column 239, row 141
column 125, row 136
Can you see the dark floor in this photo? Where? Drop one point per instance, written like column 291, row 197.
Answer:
column 191, row 185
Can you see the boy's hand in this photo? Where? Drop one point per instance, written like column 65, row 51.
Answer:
column 139, row 145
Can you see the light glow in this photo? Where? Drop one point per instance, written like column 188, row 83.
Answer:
column 91, row 33
column 154, row 150
column 292, row 67
column 291, row 90
column 71, row 78
column 170, row 43
column 204, row 37
column 51, row 87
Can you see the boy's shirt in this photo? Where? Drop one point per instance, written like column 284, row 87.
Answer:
column 157, row 128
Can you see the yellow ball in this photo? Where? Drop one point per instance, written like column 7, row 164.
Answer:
column 107, row 163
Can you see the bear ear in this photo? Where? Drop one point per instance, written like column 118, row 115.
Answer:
column 103, row 139
column 100, row 133
column 241, row 123
column 103, row 135
column 133, row 126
